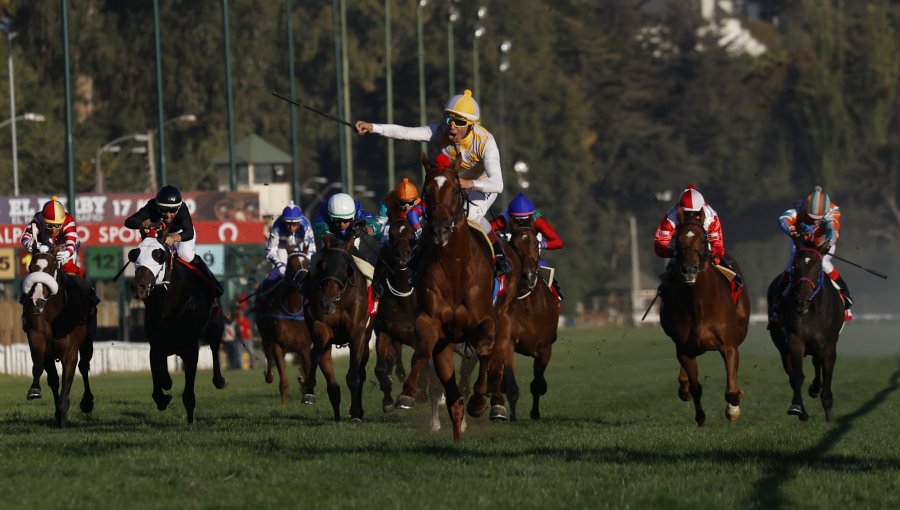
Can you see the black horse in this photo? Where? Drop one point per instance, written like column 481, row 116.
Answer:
column 811, row 318
column 180, row 310
column 60, row 321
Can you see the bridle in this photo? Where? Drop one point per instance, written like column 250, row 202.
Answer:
column 395, row 268
column 517, row 231
column 680, row 248
column 817, row 284
column 348, row 280
column 462, row 207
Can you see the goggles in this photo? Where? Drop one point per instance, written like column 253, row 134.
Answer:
column 341, row 220
column 406, row 203
column 521, row 220
column 168, row 210
column 52, row 226
column 292, row 223
column 456, row 121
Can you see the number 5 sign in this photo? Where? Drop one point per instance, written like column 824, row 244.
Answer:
column 7, row 264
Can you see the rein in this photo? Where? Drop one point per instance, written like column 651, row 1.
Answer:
column 463, row 204
column 342, row 284
column 702, row 254
column 530, row 288
column 816, row 285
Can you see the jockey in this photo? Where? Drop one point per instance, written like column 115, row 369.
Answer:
column 339, row 214
column 692, row 201
column 521, row 212
column 397, row 204
column 168, row 212
column 460, row 136
column 817, row 221
column 51, row 227
column 289, row 229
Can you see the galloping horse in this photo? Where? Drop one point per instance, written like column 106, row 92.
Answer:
column 395, row 323
column 337, row 314
column 534, row 315
column 60, row 322
column 454, row 281
column 699, row 313
column 812, row 318
column 180, row 310
column 282, row 326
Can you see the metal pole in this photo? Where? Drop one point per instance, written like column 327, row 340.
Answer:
column 476, row 88
column 336, row 28
column 12, row 107
column 229, row 98
column 345, row 77
column 70, row 151
column 422, row 120
column 635, row 270
column 159, row 97
column 389, row 85
column 98, row 173
column 151, row 161
column 504, row 141
column 295, row 155
column 451, row 78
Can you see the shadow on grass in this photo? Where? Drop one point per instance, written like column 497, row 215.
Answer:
column 769, row 489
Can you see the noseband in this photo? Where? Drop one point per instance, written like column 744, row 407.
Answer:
column 817, row 284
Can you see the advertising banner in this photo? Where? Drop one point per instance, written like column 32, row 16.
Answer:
column 107, row 234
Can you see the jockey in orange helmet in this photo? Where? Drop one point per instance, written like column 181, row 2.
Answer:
column 817, row 220
column 397, row 203
column 692, row 202
column 54, row 226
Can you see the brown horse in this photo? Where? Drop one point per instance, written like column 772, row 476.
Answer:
column 395, row 324
column 60, row 321
column 534, row 315
column 282, row 325
column 337, row 315
column 699, row 314
column 179, row 310
column 454, row 281
column 811, row 321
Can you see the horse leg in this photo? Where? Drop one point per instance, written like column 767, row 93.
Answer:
column 326, row 364
column 69, row 362
column 268, row 348
column 443, row 365
column 398, row 351
column 429, row 331
column 215, row 343
column 307, row 379
column 356, row 373
column 732, row 392
column 283, row 384
column 689, row 367
column 484, row 347
column 539, row 384
column 829, row 357
column 499, row 361
column 466, row 367
column 816, row 387
column 510, row 385
column 37, row 365
column 435, row 392
column 161, row 379
column 86, row 353
column 188, row 397
column 796, row 408
column 384, row 361
column 52, row 379
column 684, row 387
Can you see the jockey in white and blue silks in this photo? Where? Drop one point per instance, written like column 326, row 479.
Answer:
column 460, row 137
column 290, row 229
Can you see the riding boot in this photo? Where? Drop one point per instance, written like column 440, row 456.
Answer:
column 775, row 295
column 501, row 264
column 738, row 279
column 845, row 294
column 558, row 290
column 216, row 285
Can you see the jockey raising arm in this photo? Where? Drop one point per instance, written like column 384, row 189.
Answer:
column 460, row 136
column 168, row 212
column 53, row 226
column 291, row 228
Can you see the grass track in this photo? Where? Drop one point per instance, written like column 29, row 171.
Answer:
column 614, row 435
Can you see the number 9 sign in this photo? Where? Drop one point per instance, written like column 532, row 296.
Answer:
column 213, row 255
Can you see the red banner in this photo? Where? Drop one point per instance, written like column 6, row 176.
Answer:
column 114, row 234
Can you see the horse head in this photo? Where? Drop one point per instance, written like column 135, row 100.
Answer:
column 525, row 243
column 334, row 271
column 445, row 201
column 807, row 275
column 150, row 259
column 691, row 246
column 297, row 263
column 398, row 249
column 43, row 280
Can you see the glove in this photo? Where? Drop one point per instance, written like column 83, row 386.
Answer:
column 827, row 245
column 281, row 268
column 543, row 244
column 717, row 261
column 796, row 234
column 62, row 257
column 359, row 229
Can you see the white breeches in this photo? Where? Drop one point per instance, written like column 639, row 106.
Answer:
column 185, row 249
column 478, row 208
column 827, row 266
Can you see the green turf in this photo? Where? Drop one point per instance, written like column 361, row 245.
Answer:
column 614, row 435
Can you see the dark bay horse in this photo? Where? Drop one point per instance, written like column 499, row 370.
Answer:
column 337, row 315
column 60, row 321
column 699, row 314
column 179, row 311
column 534, row 315
column 812, row 315
column 454, row 282
column 396, row 320
column 282, row 325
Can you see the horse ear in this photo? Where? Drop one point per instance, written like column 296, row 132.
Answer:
column 680, row 213
column 133, row 254
column 426, row 163
column 702, row 214
column 328, row 240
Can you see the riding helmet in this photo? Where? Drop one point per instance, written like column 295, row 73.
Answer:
column 463, row 105
column 691, row 199
column 520, row 206
column 817, row 204
column 407, row 191
column 168, row 199
column 341, row 206
column 291, row 213
column 53, row 212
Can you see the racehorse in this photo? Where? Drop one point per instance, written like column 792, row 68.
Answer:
column 811, row 318
column 60, row 321
column 454, row 281
column 397, row 311
column 337, row 314
column 180, row 310
column 282, row 326
column 534, row 315
column 700, row 314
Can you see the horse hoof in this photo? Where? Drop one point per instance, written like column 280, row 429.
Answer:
column 356, row 421
column 405, row 402
column 797, row 410
column 167, row 384
column 162, row 402
column 387, row 405
column 86, row 406
column 499, row 413
column 814, row 391
column 476, row 406
column 269, row 377
column 308, row 399
column 535, row 415
column 220, row 383
column 33, row 393
column 732, row 412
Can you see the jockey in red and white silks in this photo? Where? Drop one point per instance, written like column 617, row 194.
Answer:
column 691, row 200
column 53, row 226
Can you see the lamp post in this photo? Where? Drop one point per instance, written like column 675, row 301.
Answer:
column 478, row 34
column 389, row 87
column 505, row 46
column 421, row 5
column 112, row 147
column 6, row 28
column 185, row 118
column 33, row 117
column 452, row 17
